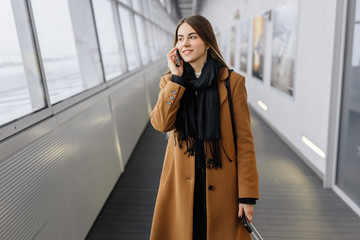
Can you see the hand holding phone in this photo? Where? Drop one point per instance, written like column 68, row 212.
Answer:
column 177, row 58
column 175, row 63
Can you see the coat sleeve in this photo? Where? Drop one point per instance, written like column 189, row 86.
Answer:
column 248, row 179
column 163, row 115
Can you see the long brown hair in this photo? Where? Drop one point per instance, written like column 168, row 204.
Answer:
column 203, row 28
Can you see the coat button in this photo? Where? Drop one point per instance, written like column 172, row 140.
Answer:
column 172, row 97
column 174, row 92
column 211, row 187
column 169, row 103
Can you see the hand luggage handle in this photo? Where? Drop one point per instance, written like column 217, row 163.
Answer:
column 250, row 227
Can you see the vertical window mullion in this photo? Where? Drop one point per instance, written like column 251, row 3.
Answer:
column 134, row 33
column 120, row 35
column 38, row 54
column 98, row 42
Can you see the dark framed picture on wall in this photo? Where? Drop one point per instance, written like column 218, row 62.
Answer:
column 284, row 42
column 244, row 45
column 259, row 25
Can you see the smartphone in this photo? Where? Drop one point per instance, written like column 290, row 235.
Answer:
column 177, row 59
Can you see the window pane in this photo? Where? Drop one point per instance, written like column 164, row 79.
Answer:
column 155, row 12
column 127, row 2
column 348, row 163
column 137, row 5
column 144, row 47
column 356, row 46
column 165, row 43
column 159, row 41
column 151, row 40
column 129, row 39
column 147, row 8
column 21, row 90
column 162, row 2
column 68, row 47
column 152, row 6
column 110, row 45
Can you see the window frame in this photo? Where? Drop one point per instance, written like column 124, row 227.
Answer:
column 19, row 124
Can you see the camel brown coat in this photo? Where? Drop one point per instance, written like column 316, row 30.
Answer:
column 173, row 214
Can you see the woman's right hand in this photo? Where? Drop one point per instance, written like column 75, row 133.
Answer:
column 172, row 63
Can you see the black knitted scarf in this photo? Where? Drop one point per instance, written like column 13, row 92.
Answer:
column 198, row 118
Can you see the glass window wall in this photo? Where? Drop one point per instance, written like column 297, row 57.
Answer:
column 109, row 38
column 152, row 41
column 126, row 2
column 137, row 5
column 129, row 38
column 21, row 89
column 348, row 177
column 64, row 35
column 142, row 39
column 68, row 47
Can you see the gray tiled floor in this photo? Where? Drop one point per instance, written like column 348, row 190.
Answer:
column 292, row 205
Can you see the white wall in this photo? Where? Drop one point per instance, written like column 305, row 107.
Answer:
column 307, row 113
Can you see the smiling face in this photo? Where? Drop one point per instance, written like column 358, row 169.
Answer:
column 191, row 47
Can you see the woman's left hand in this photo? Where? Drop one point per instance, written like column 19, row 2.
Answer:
column 248, row 209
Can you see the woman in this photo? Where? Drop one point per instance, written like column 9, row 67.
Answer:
column 204, row 187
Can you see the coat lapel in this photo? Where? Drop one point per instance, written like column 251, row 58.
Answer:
column 223, row 74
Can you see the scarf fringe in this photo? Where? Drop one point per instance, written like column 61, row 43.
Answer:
column 211, row 156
